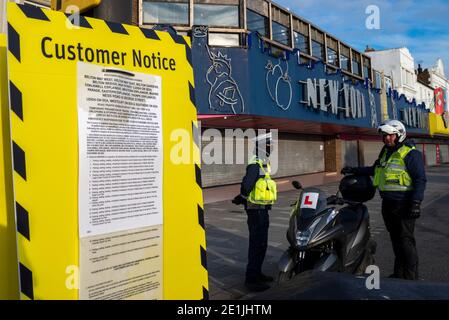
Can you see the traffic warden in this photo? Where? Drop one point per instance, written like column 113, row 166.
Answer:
column 257, row 193
column 400, row 176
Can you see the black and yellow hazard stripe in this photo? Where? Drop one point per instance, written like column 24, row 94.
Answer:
column 19, row 155
column 23, row 222
column 117, row 27
column 33, row 12
column 26, row 281
column 13, row 42
column 149, row 34
column 81, row 21
column 196, row 135
column 16, row 99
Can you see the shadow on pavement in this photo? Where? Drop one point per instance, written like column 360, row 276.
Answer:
column 314, row 285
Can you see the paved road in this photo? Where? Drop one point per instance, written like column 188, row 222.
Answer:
column 227, row 237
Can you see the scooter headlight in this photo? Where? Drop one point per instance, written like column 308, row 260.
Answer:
column 303, row 237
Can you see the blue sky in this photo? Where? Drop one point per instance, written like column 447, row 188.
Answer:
column 420, row 25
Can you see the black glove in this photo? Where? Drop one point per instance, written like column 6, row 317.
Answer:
column 415, row 210
column 238, row 200
column 349, row 170
column 332, row 199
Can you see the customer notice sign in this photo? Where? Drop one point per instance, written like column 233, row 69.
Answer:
column 94, row 106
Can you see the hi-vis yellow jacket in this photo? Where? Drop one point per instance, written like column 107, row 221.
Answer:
column 391, row 174
column 265, row 190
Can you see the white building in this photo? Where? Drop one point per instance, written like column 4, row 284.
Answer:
column 425, row 93
column 437, row 79
column 437, row 76
column 399, row 65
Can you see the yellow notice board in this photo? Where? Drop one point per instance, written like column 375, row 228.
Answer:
column 8, row 252
column 106, row 209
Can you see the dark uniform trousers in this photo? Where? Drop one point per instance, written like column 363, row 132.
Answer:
column 401, row 233
column 258, row 223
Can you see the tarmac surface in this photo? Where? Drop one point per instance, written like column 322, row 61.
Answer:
column 227, row 238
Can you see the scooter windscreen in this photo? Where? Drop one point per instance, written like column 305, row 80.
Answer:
column 312, row 207
column 312, row 202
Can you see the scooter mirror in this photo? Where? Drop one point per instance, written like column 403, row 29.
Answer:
column 297, row 185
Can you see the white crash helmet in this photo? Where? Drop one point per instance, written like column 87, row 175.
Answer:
column 393, row 127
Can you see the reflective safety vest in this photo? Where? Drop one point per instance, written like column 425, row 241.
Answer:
column 392, row 175
column 265, row 190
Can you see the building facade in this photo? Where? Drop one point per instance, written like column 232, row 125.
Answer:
column 259, row 66
column 399, row 65
column 435, row 78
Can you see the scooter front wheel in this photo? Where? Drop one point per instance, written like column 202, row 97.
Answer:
column 285, row 276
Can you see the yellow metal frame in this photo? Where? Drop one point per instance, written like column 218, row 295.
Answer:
column 47, row 136
column 8, row 250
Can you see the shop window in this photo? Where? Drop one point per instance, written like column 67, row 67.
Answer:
column 318, row 44
column 378, row 80
column 356, row 63
column 317, row 50
column 344, row 60
column 281, row 33
column 301, row 42
column 366, row 67
column 301, row 35
column 163, row 12
column 216, row 15
column 409, row 79
column 257, row 22
column 332, row 51
column 259, row 6
column 366, row 72
column 355, row 67
column 280, row 26
column 332, row 57
column 388, row 84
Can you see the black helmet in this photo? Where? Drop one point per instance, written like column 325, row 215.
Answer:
column 357, row 188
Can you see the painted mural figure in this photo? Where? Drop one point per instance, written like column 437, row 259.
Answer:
column 279, row 85
column 200, row 31
column 224, row 93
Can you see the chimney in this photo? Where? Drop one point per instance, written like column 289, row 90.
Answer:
column 369, row 49
column 419, row 68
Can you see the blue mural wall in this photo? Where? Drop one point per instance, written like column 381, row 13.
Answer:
column 253, row 81
column 415, row 117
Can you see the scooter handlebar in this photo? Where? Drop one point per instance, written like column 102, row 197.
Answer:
column 335, row 200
